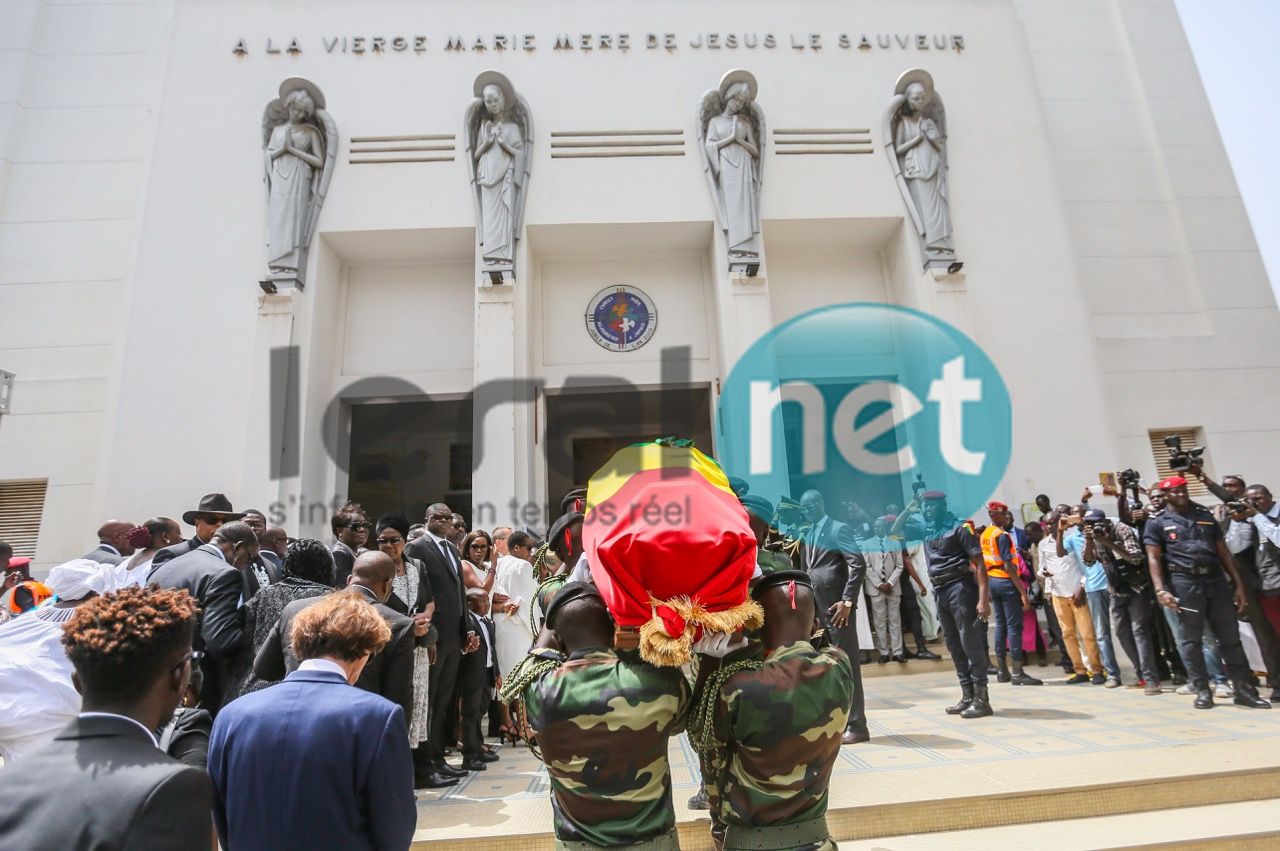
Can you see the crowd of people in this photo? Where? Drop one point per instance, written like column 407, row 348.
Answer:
column 207, row 673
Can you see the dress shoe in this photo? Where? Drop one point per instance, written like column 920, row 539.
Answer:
column 924, row 653
column 448, row 770
column 851, row 737
column 488, row 756
column 908, row 654
column 474, row 764
column 435, row 780
column 1247, row 695
column 700, row 801
column 1204, row 700
column 883, row 660
column 900, row 659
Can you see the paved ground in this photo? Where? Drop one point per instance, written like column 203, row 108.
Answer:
column 1041, row 737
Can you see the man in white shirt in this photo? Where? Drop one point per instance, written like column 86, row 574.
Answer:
column 1064, row 582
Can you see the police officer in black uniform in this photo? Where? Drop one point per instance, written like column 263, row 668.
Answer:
column 1187, row 541
column 953, row 555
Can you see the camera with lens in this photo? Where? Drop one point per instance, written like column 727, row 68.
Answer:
column 1181, row 460
column 1128, row 479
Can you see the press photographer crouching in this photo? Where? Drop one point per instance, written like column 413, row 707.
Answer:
column 1187, row 541
column 1116, row 547
column 1254, row 537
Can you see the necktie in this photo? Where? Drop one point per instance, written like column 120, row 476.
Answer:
column 448, row 559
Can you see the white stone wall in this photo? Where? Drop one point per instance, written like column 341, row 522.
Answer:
column 79, row 88
column 1185, row 321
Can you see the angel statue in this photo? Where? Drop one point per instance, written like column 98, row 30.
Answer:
column 300, row 146
column 915, row 134
column 731, row 138
column 499, row 135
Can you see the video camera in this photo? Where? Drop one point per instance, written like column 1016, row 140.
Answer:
column 918, row 486
column 1181, row 460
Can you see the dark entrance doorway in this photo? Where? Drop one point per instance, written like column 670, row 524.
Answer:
column 406, row 455
column 585, row 428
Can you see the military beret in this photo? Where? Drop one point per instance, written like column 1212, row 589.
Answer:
column 740, row 487
column 555, row 535
column 757, row 505
column 781, row 577
column 568, row 593
column 1172, row 482
column 933, row 495
column 574, row 500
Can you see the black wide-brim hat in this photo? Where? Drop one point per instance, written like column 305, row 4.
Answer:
column 212, row 503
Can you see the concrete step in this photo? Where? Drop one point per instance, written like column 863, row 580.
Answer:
column 1247, row 825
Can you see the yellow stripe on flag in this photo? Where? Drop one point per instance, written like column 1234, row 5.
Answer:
column 625, row 463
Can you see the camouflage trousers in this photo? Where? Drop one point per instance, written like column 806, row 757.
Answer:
column 666, row 842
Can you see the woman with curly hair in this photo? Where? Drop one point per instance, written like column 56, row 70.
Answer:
column 308, row 568
column 131, row 651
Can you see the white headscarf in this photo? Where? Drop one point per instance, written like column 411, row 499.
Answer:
column 81, row 577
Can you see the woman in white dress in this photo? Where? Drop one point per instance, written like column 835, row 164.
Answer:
column 514, row 589
column 478, row 559
column 147, row 539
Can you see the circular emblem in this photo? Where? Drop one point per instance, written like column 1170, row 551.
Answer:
column 621, row 318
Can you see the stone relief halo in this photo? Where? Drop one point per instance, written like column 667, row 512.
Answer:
column 497, row 79
column 737, row 75
column 294, row 83
column 914, row 75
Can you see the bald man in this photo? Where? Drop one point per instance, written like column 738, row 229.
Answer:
column 113, row 543
column 388, row 672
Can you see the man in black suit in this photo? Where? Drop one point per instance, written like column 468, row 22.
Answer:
column 212, row 573
column 477, row 677
column 215, row 509
column 102, row 782
column 444, row 569
column 113, row 543
column 833, row 561
column 389, row 672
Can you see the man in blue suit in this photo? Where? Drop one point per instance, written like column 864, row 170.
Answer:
column 313, row 762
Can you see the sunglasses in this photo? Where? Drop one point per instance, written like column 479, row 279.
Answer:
column 357, row 526
column 479, row 545
column 389, row 542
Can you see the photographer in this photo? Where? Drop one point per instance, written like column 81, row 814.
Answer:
column 1187, row 541
column 1255, row 532
column 1116, row 547
column 1072, row 540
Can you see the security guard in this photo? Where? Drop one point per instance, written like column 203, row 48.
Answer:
column 959, row 577
column 1187, row 541
column 602, row 721
column 769, row 730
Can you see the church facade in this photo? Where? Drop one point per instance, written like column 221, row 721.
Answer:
column 400, row 251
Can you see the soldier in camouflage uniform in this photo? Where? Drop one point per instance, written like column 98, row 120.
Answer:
column 564, row 539
column 602, row 721
column 769, row 730
column 760, row 516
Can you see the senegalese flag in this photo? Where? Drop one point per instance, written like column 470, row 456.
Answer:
column 669, row 546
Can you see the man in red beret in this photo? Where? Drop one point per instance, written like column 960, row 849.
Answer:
column 1187, row 541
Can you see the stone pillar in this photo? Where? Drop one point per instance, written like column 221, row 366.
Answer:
column 495, row 406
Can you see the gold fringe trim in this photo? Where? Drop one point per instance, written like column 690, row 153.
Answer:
column 658, row 648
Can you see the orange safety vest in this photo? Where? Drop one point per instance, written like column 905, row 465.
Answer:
column 991, row 551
